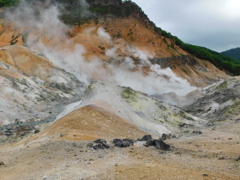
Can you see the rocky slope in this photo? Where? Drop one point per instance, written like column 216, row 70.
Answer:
column 219, row 102
column 31, row 86
column 76, row 84
column 106, row 38
column 64, row 149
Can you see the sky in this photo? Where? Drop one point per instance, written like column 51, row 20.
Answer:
column 214, row 24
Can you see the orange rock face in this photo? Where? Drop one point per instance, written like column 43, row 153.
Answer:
column 113, row 38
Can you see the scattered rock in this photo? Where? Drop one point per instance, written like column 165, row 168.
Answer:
column 221, row 158
column 123, row 142
column 119, row 144
column 101, row 144
column 178, row 152
column 150, row 142
column 184, row 125
column 164, row 136
column 100, row 141
column 161, row 145
column 158, row 143
column 36, row 131
column 238, row 159
column 2, row 163
column 167, row 136
column 197, row 132
column 145, row 138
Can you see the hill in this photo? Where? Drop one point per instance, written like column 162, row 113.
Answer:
column 234, row 53
column 80, row 12
column 110, row 31
column 32, row 88
column 83, row 82
column 123, row 9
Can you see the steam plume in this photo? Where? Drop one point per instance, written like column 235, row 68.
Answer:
column 123, row 71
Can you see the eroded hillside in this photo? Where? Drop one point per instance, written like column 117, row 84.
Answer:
column 31, row 86
column 107, row 38
column 52, row 110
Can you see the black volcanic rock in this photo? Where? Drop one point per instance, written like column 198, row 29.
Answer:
column 123, row 142
column 145, row 138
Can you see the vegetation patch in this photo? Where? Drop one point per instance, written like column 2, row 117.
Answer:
column 8, row 3
column 129, row 94
column 104, row 10
column 221, row 61
column 185, row 116
column 184, row 70
column 234, row 109
column 223, row 85
column 162, row 107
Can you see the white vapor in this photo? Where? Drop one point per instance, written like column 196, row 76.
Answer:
column 104, row 36
column 42, row 20
column 121, row 68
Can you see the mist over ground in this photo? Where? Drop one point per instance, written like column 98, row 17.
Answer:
column 42, row 24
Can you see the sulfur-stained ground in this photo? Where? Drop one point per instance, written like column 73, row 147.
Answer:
column 214, row 154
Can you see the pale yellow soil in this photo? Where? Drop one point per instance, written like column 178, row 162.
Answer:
column 90, row 123
column 211, row 155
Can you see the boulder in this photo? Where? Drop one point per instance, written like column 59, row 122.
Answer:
column 158, row 143
column 36, row 131
column 123, row 142
column 150, row 142
column 100, row 141
column 161, row 145
column 119, row 144
column 145, row 138
column 101, row 146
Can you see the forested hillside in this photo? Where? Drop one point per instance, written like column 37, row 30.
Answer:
column 234, row 53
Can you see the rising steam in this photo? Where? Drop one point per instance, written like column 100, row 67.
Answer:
column 43, row 24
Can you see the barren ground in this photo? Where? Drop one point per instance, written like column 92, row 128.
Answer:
column 211, row 155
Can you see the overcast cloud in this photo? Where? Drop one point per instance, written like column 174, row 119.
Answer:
column 214, row 24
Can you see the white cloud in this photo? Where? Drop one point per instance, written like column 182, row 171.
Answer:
column 210, row 23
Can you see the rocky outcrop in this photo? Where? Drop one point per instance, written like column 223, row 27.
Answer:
column 218, row 102
column 123, row 142
column 175, row 60
column 31, row 86
column 134, row 106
